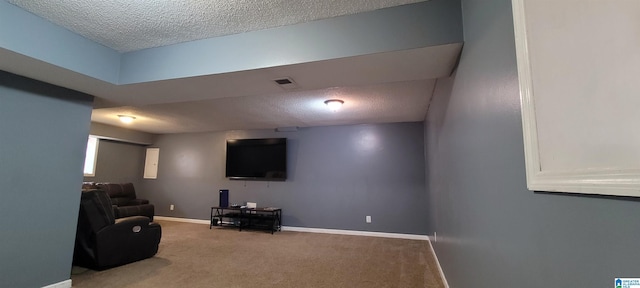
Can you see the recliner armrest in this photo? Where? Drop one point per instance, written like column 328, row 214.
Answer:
column 129, row 239
column 125, row 226
column 138, row 202
column 120, row 202
column 147, row 210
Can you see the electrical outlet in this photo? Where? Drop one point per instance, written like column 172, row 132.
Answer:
column 368, row 219
column 171, row 207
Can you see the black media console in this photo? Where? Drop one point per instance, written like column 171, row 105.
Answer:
column 249, row 218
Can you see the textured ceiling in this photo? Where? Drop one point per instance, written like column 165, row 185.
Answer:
column 140, row 24
column 363, row 104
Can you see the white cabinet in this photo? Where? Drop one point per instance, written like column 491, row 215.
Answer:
column 151, row 163
column 579, row 69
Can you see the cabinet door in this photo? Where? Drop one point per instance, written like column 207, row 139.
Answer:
column 151, row 163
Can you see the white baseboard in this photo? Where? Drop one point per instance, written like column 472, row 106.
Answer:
column 313, row 230
column 357, row 233
column 62, row 284
column 444, row 279
column 187, row 220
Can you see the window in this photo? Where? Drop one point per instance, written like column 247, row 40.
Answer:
column 91, row 157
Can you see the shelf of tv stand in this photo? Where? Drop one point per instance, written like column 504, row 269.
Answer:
column 248, row 218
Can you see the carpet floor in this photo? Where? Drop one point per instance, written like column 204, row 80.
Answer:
column 192, row 255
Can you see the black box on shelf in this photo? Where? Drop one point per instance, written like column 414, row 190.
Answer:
column 224, row 198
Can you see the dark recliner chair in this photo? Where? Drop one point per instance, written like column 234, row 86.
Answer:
column 121, row 194
column 103, row 242
column 124, row 197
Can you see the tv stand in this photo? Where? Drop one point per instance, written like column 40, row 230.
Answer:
column 249, row 218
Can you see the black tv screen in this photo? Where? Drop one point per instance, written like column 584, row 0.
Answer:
column 257, row 159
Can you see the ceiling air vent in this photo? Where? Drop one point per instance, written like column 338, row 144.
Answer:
column 286, row 83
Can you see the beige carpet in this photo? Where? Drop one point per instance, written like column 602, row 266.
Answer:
column 191, row 255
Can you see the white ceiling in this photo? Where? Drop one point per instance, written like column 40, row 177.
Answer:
column 384, row 87
column 363, row 104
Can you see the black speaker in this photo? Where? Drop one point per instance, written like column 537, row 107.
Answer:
column 224, row 198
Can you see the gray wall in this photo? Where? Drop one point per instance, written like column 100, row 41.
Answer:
column 44, row 132
column 492, row 231
column 337, row 176
column 119, row 162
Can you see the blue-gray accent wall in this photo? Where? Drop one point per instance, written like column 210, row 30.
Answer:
column 44, row 132
column 337, row 175
column 30, row 35
column 492, row 231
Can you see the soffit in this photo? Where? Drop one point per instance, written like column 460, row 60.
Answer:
column 377, row 88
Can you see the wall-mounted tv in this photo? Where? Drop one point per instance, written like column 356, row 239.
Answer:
column 257, row 159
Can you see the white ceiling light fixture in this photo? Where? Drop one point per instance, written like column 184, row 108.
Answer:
column 126, row 118
column 334, row 104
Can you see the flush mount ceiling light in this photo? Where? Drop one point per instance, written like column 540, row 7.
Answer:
column 334, row 104
column 126, row 118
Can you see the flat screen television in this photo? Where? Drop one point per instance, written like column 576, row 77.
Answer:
column 257, row 159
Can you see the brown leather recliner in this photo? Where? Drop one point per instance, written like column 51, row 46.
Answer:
column 103, row 242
